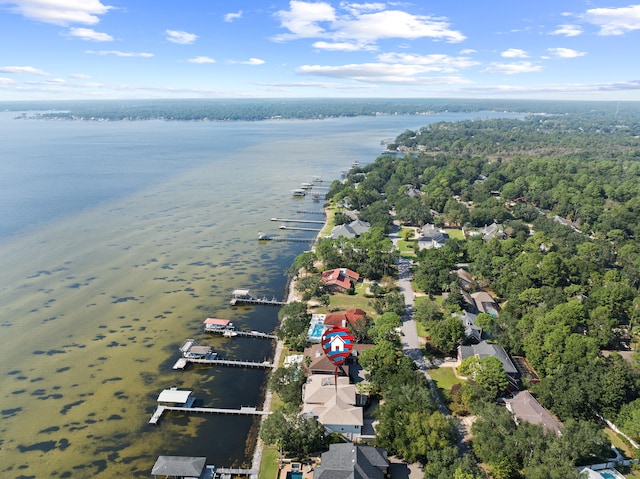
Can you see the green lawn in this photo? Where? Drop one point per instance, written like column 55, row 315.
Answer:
column 619, row 443
column 455, row 233
column 445, row 378
column 269, row 463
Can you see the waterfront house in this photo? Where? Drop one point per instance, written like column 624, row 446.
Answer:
column 350, row 230
column 339, row 279
column 352, row 461
column 349, row 317
column 335, row 405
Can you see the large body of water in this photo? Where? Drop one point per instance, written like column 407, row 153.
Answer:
column 116, row 241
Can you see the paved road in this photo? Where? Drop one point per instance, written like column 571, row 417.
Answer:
column 410, row 344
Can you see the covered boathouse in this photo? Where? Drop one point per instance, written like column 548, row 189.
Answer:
column 182, row 467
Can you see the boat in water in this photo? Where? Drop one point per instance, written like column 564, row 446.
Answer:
column 229, row 333
column 298, row 192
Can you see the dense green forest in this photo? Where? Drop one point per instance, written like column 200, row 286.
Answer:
column 566, row 273
column 264, row 109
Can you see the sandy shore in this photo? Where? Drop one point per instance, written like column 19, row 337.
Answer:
column 292, row 296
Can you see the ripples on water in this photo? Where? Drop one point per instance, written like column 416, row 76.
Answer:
column 155, row 224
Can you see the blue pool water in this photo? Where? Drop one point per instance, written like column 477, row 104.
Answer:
column 318, row 329
column 297, row 475
column 607, row 475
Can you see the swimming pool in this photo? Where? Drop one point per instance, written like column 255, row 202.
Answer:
column 607, row 475
column 294, row 475
column 316, row 330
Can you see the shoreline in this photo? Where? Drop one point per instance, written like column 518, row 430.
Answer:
column 291, row 297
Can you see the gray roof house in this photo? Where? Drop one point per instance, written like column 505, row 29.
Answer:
column 524, row 407
column 485, row 303
column 432, row 237
column 352, row 461
column 351, row 230
column 494, row 230
column 484, row 349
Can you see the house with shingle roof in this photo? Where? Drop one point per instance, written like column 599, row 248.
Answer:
column 524, row 407
column 339, row 279
column 335, row 405
column 484, row 349
column 349, row 317
column 432, row 237
column 350, row 230
column 352, row 461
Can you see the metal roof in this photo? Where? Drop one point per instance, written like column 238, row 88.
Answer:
column 174, row 395
column 180, row 466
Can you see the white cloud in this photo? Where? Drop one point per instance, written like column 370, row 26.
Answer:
column 565, row 53
column 358, row 25
column 7, row 81
column 514, row 53
column 201, row 59
column 396, row 24
column 80, row 76
column 512, row 68
column 182, row 38
column 230, row 17
column 26, row 69
column 381, row 73
column 358, row 8
column 119, row 53
column 567, row 30
column 433, row 62
column 343, row 46
column 89, row 34
column 59, row 12
column 614, row 21
column 302, row 19
column 254, row 61
column 468, row 51
column 250, row 61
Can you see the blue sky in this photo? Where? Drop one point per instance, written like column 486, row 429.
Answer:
column 552, row 49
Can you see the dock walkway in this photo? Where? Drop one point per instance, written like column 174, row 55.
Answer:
column 292, row 220
column 263, row 301
column 245, row 334
column 243, row 411
column 263, row 237
column 184, row 362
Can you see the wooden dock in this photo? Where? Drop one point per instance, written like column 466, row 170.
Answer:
column 243, row 411
column 225, row 471
column 263, row 237
column 302, row 212
column 293, row 220
column 263, row 301
column 184, row 362
column 245, row 334
column 295, row 228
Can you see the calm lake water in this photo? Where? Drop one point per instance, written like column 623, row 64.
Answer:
column 116, row 241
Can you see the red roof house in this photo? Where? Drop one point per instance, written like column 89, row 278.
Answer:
column 339, row 279
column 350, row 316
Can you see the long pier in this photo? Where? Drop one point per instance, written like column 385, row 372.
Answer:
column 243, row 411
column 302, row 212
column 263, row 301
column 284, row 227
column 293, row 220
column 225, row 471
column 263, row 237
column 184, row 362
column 245, row 334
